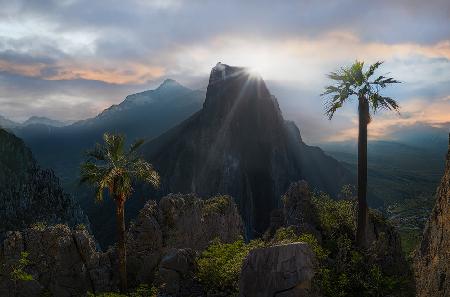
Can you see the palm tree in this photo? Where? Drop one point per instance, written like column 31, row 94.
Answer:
column 110, row 167
column 354, row 81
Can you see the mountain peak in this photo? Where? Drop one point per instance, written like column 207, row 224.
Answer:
column 169, row 83
column 33, row 120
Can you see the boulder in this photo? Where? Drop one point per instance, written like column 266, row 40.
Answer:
column 176, row 273
column 278, row 271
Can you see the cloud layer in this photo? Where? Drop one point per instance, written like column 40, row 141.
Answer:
column 69, row 59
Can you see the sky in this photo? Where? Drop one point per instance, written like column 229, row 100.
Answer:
column 70, row 59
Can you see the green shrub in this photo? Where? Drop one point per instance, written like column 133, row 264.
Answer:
column 216, row 204
column 17, row 273
column 142, row 290
column 219, row 266
column 288, row 235
column 40, row 226
column 335, row 216
column 348, row 271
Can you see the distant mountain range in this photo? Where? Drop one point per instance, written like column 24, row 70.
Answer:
column 34, row 120
column 141, row 115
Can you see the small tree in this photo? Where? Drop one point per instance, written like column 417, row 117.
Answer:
column 353, row 81
column 110, row 167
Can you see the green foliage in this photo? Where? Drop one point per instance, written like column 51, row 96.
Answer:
column 348, row 271
column 40, row 226
column 81, row 227
column 336, row 217
column 288, row 235
column 17, row 273
column 220, row 264
column 216, row 204
column 142, row 290
column 111, row 167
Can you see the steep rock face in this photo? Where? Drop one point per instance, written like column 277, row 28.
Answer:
column 240, row 145
column 278, row 271
column 178, row 222
column 29, row 194
column 62, row 261
column 432, row 261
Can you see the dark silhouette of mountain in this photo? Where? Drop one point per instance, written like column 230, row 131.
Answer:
column 239, row 144
column 29, row 194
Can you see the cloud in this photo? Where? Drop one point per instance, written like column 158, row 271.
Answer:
column 84, row 55
column 414, row 112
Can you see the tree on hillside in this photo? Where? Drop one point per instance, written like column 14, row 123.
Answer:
column 113, row 168
column 350, row 82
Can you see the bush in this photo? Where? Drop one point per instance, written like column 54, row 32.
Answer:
column 217, row 204
column 348, row 271
column 142, row 290
column 219, row 266
column 288, row 235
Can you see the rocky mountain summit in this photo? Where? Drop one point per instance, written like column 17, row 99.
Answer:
column 29, row 194
column 432, row 262
column 240, row 145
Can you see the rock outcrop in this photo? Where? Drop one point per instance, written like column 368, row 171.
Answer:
column 240, row 145
column 432, row 259
column 176, row 274
column 29, row 194
column 178, row 222
column 62, row 262
column 278, row 271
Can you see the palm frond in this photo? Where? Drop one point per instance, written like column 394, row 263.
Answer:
column 144, row 171
column 109, row 167
column 136, row 145
column 372, row 69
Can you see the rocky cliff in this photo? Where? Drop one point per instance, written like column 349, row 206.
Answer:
column 62, row 262
column 240, row 145
column 432, row 261
column 29, row 194
column 178, row 222
column 66, row 262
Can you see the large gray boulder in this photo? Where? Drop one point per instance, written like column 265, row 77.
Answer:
column 62, row 261
column 278, row 271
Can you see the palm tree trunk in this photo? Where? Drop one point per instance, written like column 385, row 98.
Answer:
column 361, row 229
column 121, row 248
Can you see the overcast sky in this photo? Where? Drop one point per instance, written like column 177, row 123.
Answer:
column 69, row 59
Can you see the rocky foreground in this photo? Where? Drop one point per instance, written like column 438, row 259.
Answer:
column 298, row 256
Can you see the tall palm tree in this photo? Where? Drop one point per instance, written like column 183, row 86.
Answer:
column 113, row 168
column 350, row 82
